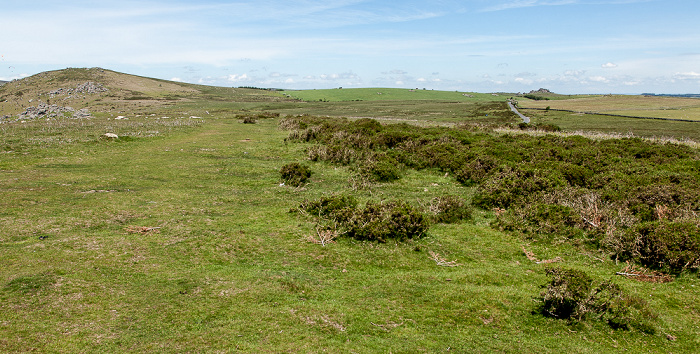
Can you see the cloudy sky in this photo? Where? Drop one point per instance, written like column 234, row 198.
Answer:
column 567, row 46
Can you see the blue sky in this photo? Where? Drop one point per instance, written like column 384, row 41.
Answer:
column 567, row 46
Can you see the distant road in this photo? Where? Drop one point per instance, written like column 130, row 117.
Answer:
column 515, row 110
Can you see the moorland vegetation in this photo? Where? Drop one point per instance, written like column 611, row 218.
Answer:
column 252, row 220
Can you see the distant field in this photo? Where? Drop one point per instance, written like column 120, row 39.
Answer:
column 640, row 106
column 392, row 94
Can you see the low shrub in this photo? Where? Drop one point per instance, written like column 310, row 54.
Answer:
column 375, row 222
column 295, row 174
column 450, row 209
column 367, row 125
column 380, row 168
column 540, row 219
column 547, row 127
column 510, row 185
column 336, row 206
column 574, row 174
column 664, row 245
column 536, row 98
column 475, row 171
column 573, row 295
column 381, row 222
column 332, row 153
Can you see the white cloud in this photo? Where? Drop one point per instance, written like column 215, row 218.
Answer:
column 516, row 4
column 395, row 72
column 239, row 78
column 598, row 79
column 177, row 79
column 574, row 73
column 687, row 76
column 608, row 65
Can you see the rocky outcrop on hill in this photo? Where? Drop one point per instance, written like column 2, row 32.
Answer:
column 540, row 91
column 43, row 110
column 87, row 87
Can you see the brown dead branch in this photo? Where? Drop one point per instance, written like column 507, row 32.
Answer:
column 531, row 256
column 141, row 229
column 323, row 237
column 387, row 327
column 642, row 274
column 441, row 261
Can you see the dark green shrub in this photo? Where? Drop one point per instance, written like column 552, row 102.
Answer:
column 338, row 207
column 381, row 222
column 394, row 137
column 547, row 127
column 476, row 170
column 450, row 209
column 567, row 294
column 249, row 120
column 509, row 185
column 644, row 201
column 575, row 175
column 540, row 219
column 574, row 296
column 665, row 245
column 380, row 168
column 367, row 126
column 536, row 98
column 295, row 174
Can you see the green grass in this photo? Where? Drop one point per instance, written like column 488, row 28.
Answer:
column 392, row 94
column 574, row 122
column 231, row 269
column 629, row 105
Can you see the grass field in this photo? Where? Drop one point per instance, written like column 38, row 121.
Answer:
column 178, row 237
column 641, row 106
column 393, row 94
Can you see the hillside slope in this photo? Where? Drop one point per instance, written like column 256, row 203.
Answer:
column 101, row 90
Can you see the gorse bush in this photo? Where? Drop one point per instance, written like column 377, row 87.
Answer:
column 450, row 209
column 593, row 191
column 295, row 174
column 574, row 296
column 540, row 220
column 669, row 246
column 380, row 168
column 510, row 185
column 249, row 120
column 380, row 222
column 331, row 207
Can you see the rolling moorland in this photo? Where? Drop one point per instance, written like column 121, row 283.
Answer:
column 143, row 215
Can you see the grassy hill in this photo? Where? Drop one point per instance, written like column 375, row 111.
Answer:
column 122, row 92
column 182, row 236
